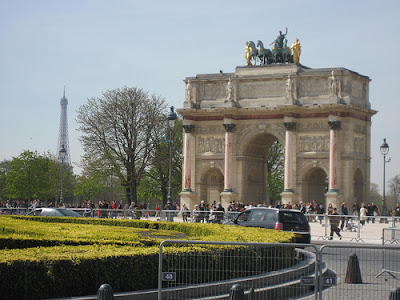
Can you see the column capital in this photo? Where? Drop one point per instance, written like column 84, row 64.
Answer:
column 229, row 127
column 188, row 128
column 290, row 125
column 335, row 125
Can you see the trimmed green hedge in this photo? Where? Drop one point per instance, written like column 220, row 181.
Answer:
column 42, row 257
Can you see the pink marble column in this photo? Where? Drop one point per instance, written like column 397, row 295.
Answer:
column 288, row 182
column 228, row 157
column 333, row 154
column 187, row 158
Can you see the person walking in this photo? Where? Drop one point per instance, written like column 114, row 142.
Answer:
column 363, row 214
column 320, row 212
column 344, row 211
column 334, row 222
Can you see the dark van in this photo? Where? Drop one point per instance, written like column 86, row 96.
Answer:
column 278, row 219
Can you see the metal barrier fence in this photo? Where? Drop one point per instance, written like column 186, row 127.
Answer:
column 359, row 271
column 335, row 271
column 13, row 211
column 207, row 270
column 390, row 235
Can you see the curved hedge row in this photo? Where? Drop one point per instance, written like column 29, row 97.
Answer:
column 43, row 257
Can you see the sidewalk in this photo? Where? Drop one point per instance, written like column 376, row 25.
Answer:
column 370, row 233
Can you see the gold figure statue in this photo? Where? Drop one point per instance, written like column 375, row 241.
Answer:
column 247, row 55
column 296, row 48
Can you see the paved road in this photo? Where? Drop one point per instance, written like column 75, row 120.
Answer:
column 370, row 233
column 372, row 261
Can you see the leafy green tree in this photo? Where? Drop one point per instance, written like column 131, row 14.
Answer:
column 4, row 167
column 31, row 175
column 88, row 187
column 122, row 127
column 97, row 180
column 28, row 176
column 276, row 171
column 156, row 182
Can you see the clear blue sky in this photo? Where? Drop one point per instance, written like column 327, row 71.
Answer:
column 92, row 46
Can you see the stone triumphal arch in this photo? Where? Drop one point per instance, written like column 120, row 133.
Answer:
column 322, row 118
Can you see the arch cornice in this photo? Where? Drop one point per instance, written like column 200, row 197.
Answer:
column 278, row 112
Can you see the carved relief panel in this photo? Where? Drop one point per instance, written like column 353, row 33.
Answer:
column 359, row 144
column 210, row 144
column 312, row 87
column 315, row 143
column 262, row 89
column 360, row 128
column 211, row 91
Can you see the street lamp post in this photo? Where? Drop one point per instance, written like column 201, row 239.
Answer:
column 171, row 123
column 384, row 150
column 62, row 153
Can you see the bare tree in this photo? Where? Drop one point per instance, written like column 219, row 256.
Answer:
column 121, row 127
column 394, row 186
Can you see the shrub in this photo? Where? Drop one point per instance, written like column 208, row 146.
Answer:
column 46, row 257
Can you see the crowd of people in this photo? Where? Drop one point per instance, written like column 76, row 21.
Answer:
column 215, row 212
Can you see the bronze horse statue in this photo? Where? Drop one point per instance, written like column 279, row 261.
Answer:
column 281, row 55
column 264, row 55
column 253, row 52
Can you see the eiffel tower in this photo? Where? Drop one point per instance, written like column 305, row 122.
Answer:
column 63, row 140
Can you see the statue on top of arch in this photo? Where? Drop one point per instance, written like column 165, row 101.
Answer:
column 280, row 53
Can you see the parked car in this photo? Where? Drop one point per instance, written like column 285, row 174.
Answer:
column 279, row 219
column 53, row 212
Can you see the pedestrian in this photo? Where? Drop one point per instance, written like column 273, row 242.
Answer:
column 356, row 209
column 374, row 212
column 196, row 214
column 330, row 208
column 320, row 212
column 202, row 207
column 343, row 212
column 157, row 210
column 363, row 214
column 132, row 210
column 185, row 212
column 334, row 222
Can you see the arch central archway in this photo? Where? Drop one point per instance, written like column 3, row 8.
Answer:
column 315, row 184
column 255, row 157
column 212, row 184
column 358, row 187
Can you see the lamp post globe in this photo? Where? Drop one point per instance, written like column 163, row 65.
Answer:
column 384, row 151
column 172, row 117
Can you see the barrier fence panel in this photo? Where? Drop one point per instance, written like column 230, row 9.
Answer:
column 208, row 270
column 360, row 271
column 391, row 235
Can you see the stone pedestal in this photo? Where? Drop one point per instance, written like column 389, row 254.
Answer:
column 227, row 198
column 288, row 197
column 333, row 197
column 189, row 198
